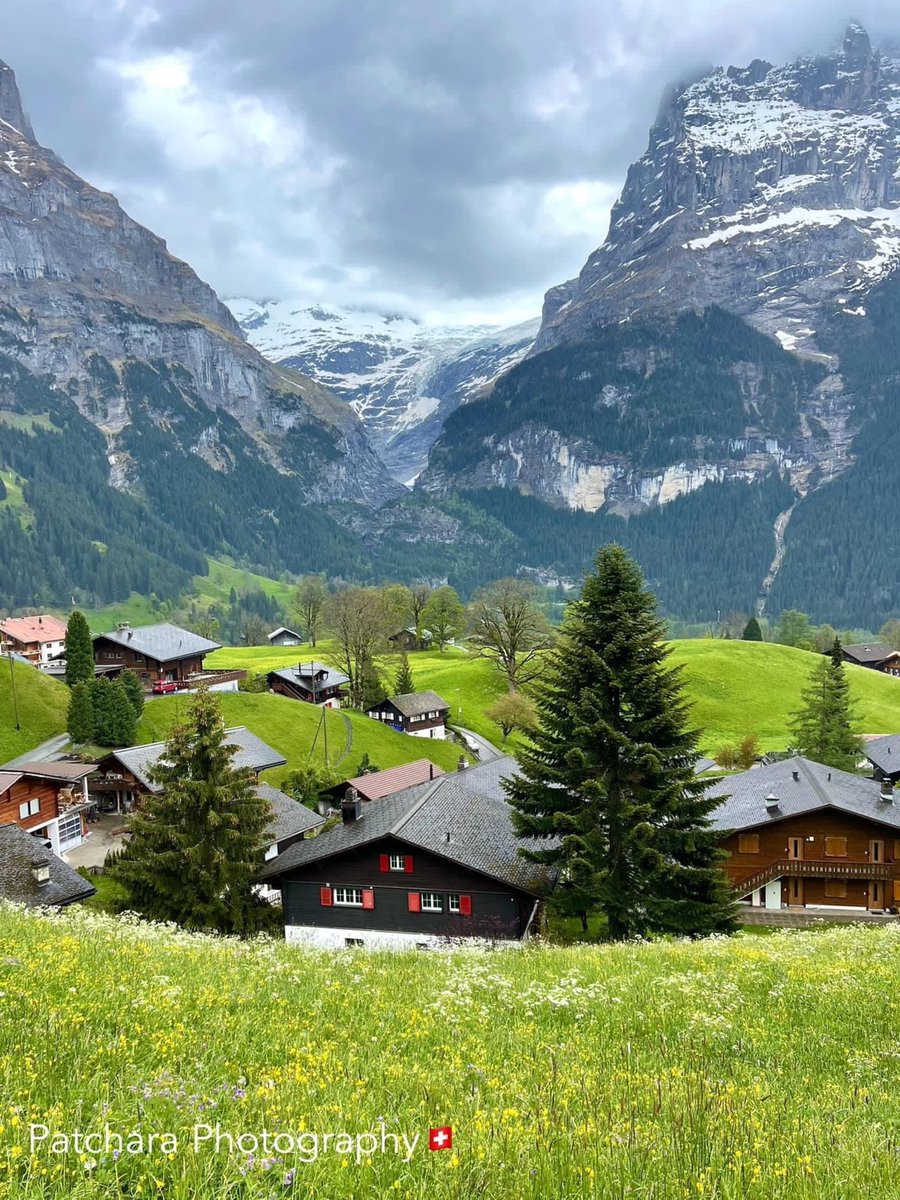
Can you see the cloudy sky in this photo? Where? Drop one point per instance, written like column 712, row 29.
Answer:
column 450, row 159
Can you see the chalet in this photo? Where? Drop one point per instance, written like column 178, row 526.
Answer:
column 884, row 755
column 408, row 639
column 48, row 800
column 284, row 637
column 876, row 656
column 122, row 778
column 33, row 876
column 162, row 652
column 423, row 714
column 800, row 834
column 424, row 867
column 37, row 639
column 378, row 784
column 313, row 682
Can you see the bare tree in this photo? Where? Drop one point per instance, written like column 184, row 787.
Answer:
column 510, row 628
column 309, row 603
column 444, row 615
column 420, row 593
column 253, row 629
column 360, row 622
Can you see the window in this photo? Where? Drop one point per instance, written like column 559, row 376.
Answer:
column 432, row 902
column 453, row 904
column 748, row 843
column 29, row 808
column 836, row 889
column 348, row 897
column 353, row 942
column 835, row 847
column 398, row 862
column 462, row 905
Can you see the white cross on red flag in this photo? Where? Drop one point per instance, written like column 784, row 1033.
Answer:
column 440, row 1139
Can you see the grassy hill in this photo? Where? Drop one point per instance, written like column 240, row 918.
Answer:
column 744, row 1068
column 42, row 709
column 290, row 727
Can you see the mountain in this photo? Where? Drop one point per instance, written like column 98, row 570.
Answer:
column 179, row 438
column 402, row 378
column 729, row 348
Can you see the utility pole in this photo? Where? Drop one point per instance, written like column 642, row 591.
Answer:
column 12, row 675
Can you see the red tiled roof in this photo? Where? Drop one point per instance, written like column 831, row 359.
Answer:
column 385, row 783
column 35, row 629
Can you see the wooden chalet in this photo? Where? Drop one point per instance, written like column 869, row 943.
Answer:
column 47, row 800
column 163, row 653
column 875, row 655
column 408, row 639
column 883, row 754
column 804, row 835
column 37, row 639
column 378, row 784
column 312, row 682
column 423, row 714
column 284, row 637
column 424, row 867
column 34, row 876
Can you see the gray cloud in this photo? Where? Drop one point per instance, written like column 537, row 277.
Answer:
column 451, row 158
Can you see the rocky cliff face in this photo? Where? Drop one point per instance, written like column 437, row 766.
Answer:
column 402, row 378
column 83, row 285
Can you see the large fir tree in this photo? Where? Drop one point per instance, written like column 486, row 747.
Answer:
column 404, row 681
column 134, row 691
column 752, row 631
column 823, row 727
column 80, row 719
column 79, row 650
column 197, row 844
column 608, row 783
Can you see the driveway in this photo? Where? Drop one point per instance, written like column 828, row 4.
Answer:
column 104, row 834
column 486, row 750
column 49, row 751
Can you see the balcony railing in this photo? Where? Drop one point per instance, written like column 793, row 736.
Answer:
column 815, row 869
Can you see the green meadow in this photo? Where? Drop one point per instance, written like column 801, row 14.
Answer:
column 41, row 708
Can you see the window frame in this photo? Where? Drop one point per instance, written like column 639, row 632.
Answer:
column 426, row 905
column 397, row 862
column 451, row 907
column 343, row 890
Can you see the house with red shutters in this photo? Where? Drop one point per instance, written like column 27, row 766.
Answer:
column 425, row 867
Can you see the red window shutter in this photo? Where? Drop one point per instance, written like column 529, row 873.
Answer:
column 368, row 898
column 325, row 897
column 408, row 864
column 415, row 901
column 465, row 906
column 383, row 863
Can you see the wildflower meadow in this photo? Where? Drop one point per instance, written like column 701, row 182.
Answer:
column 750, row 1067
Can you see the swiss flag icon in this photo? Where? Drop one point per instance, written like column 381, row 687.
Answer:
column 440, row 1139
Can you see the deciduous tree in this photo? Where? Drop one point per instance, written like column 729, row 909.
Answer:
column 360, row 623
column 309, row 603
column 511, row 629
column 608, row 793
column 444, row 616
column 513, row 710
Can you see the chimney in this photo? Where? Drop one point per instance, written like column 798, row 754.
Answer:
column 351, row 806
column 431, row 770
column 772, row 802
column 887, row 791
column 796, row 775
column 40, row 870
column 462, row 763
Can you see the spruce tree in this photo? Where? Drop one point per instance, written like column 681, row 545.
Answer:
column 135, row 692
column 608, row 789
column 823, row 727
column 752, row 631
column 370, row 685
column 80, row 719
column 79, row 650
column 123, row 722
column 102, row 707
column 404, row 681
column 198, row 843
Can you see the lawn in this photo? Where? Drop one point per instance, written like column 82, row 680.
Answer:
column 741, row 1069
column 42, row 704
column 290, row 726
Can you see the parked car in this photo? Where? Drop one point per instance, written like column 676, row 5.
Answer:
column 161, row 686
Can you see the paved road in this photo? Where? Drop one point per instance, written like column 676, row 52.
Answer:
column 49, row 751
column 486, row 750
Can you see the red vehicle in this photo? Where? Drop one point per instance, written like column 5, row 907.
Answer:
column 162, row 686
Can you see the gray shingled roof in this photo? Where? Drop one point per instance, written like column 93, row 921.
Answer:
column 283, row 629
column 289, row 816
column 18, row 850
column 415, row 704
column 705, row 764
column 303, row 675
column 470, row 805
column 884, row 753
column 163, row 642
column 815, row 787
column 869, row 651
column 252, row 752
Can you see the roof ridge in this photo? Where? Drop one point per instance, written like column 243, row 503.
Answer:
column 398, row 825
column 804, row 765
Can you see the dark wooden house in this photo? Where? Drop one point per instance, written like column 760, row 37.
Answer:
column 875, row 655
column 312, row 682
column 34, row 876
column 423, row 714
column 155, row 652
column 47, row 800
column 800, row 834
column 423, row 867
column 282, row 636
column 884, row 755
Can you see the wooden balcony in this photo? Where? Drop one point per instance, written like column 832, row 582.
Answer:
column 814, row 868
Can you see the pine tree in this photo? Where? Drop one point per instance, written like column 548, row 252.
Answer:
column 823, row 728
column 135, row 692
column 404, row 681
column 123, row 722
column 608, row 785
column 370, row 685
column 752, row 631
column 80, row 720
column 102, row 709
column 79, row 650
column 197, row 844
